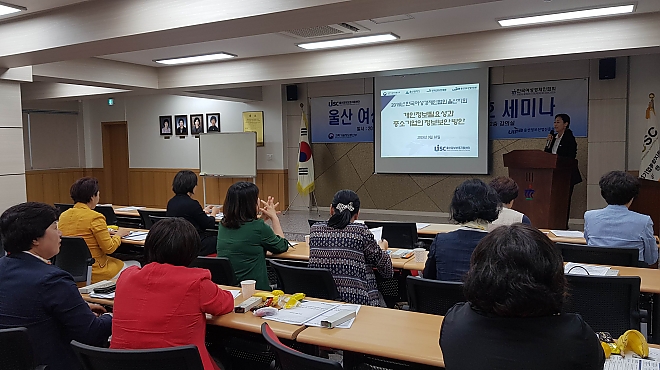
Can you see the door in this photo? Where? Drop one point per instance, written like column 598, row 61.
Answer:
column 115, row 162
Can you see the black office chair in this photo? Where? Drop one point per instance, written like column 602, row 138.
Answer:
column 75, row 258
column 109, row 213
column 599, row 255
column 146, row 220
column 312, row 222
column 397, row 234
column 16, row 350
column 433, row 296
column 221, row 270
column 61, row 207
column 173, row 358
column 155, row 219
column 317, row 283
column 289, row 359
column 606, row 303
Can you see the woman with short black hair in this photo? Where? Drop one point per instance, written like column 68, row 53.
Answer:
column 183, row 205
column 39, row 296
column 474, row 206
column 515, row 291
column 83, row 221
column 507, row 190
column 244, row 238
column 164, row 303
column 350, row 252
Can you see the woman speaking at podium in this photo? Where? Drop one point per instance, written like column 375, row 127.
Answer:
column 562, row 143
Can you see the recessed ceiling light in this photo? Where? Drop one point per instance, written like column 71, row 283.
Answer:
column 195, row 59
column 566, row 16
column 349, row 42
column 9, row 9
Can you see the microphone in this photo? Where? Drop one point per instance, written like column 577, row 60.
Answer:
column 549, row 141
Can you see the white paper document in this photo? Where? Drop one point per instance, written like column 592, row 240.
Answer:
column 307, row 311
column 421, row 225
column 568, row 233
column 128, row 209
column 620, row 363
column 573, row 268
column 340, row 307
column 378, row 233
column 234, row 292
column 219, row 216
column 136, row 236
column 102, row 295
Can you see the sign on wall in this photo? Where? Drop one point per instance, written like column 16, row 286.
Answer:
column 343, row 119
column 527, row 110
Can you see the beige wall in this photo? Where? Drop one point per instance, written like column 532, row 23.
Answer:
column 339, row 166
column 12, row 163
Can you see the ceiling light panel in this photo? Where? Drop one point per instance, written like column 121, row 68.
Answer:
column 568, row 16
column 9, row 9
column 195, row 59
column 353, row 41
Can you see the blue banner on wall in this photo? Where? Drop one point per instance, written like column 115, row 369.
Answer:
column 343, row 119
column 527, row 110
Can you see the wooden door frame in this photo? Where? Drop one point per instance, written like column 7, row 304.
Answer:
column 105, row 144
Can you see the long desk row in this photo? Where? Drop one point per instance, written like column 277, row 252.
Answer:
column 416, row 341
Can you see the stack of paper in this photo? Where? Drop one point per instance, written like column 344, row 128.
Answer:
column 128, row 209
column 219, row 216
column 568, row 234
column 620, row 363
column 573, row 268
column 136, row 236
column 311, row 313
column 102, row 295
column 421, row 225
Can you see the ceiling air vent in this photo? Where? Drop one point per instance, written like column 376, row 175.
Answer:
column 324, row 31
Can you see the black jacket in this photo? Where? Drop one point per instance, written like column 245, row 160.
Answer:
column 567, row 148
column 471, row 340
column 184, row 206
column 45, row 300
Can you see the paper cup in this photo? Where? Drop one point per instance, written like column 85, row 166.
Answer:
column 307, row 239
column 420, row 256
column 248, row 288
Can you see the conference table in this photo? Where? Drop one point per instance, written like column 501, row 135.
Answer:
column 394, row 334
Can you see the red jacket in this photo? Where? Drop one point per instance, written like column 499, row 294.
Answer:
column 162, row 305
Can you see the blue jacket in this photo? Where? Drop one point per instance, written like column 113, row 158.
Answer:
column 449, row 255
column 45, row 300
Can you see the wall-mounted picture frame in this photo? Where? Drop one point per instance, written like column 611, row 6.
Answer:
column 196, row 124
column 165, row 124
column 212, row 122
column 254, row 122
column 181, row 125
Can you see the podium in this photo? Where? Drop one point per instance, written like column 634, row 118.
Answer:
column 544, row 181
column 648, row 202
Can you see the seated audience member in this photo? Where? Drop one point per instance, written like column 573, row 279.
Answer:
column 83, row 221
column 41, row 297
column 507, row 190
column 164, row 303
column 183, row 205
column 244, row 238
column 474, row 205
column 349, row 251
column 616, row 225
column 513, row 319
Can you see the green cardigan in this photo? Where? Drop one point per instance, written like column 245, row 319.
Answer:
column 246, row 248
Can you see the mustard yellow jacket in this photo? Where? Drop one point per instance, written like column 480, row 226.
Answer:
column 91, row 226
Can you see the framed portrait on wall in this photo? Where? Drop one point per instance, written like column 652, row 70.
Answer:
column 196, row 125
column 165, row 124
column 212, row 122
column 181, row 125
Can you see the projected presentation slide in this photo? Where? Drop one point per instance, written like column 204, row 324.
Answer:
column 436, row 121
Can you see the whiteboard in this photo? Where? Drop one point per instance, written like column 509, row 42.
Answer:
column 230, row 154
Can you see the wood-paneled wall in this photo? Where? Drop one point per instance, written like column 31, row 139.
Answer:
column 52, row 186
column 150, row 187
